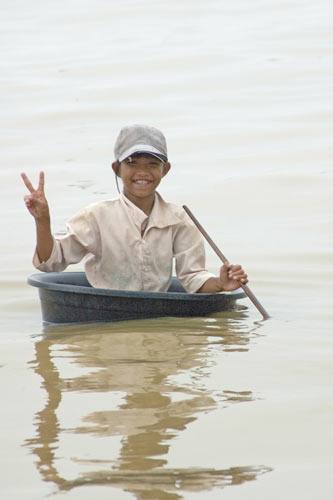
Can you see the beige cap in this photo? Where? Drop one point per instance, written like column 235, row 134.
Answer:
column 140, row 139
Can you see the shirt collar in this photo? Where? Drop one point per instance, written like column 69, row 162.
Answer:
column 161, row 215
column 138, row 216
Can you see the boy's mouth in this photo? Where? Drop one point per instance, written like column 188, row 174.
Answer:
column 142, row 181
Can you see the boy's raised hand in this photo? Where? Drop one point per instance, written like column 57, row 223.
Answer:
column 36, row 201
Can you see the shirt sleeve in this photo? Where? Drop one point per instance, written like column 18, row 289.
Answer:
column 189, row 252
column 81, row 239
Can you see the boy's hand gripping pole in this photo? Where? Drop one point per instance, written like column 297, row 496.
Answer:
column 246, row 289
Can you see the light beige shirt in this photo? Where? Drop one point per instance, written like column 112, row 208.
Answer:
column 125, row 249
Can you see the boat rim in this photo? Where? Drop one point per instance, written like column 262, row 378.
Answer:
column 44, row 280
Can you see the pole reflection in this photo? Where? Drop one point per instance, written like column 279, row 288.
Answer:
column 119, row 394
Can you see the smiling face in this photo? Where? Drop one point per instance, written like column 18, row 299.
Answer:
column 141, row 174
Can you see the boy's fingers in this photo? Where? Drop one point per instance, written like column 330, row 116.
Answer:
column 41, row 181
column 237, row 272
column 27, row 182
column 28, row 201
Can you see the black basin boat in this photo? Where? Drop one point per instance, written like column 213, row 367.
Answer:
column 68, row 297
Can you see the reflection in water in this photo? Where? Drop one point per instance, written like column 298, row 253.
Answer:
column 118, row 394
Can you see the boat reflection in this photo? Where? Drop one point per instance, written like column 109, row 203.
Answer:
column 119, row 394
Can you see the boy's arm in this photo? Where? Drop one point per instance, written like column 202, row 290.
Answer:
column 44, row 240
column 37, row 205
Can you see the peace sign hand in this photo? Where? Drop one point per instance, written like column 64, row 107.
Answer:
column 36, row 202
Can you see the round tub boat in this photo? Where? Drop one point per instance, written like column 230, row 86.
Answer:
column 69, row 298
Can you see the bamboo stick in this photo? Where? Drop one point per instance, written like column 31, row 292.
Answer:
column 223, row 258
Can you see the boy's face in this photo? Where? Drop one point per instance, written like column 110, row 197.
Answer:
column 141, row 174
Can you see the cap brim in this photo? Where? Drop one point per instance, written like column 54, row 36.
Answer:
column 143, row 148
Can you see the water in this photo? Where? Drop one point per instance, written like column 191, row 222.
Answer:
column 171, row 408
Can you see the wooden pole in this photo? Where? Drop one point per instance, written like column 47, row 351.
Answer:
column 246, row 289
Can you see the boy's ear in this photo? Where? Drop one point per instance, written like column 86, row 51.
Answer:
column 116, row 167
column 166, row 168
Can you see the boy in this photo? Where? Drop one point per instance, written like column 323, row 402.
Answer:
column 128, row 243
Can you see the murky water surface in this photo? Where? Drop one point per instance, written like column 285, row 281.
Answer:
column 172, row 408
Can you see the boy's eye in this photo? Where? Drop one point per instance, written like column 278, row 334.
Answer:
column 130, row 161
column 133, row 163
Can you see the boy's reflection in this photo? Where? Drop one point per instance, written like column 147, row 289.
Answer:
column 155, row 370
